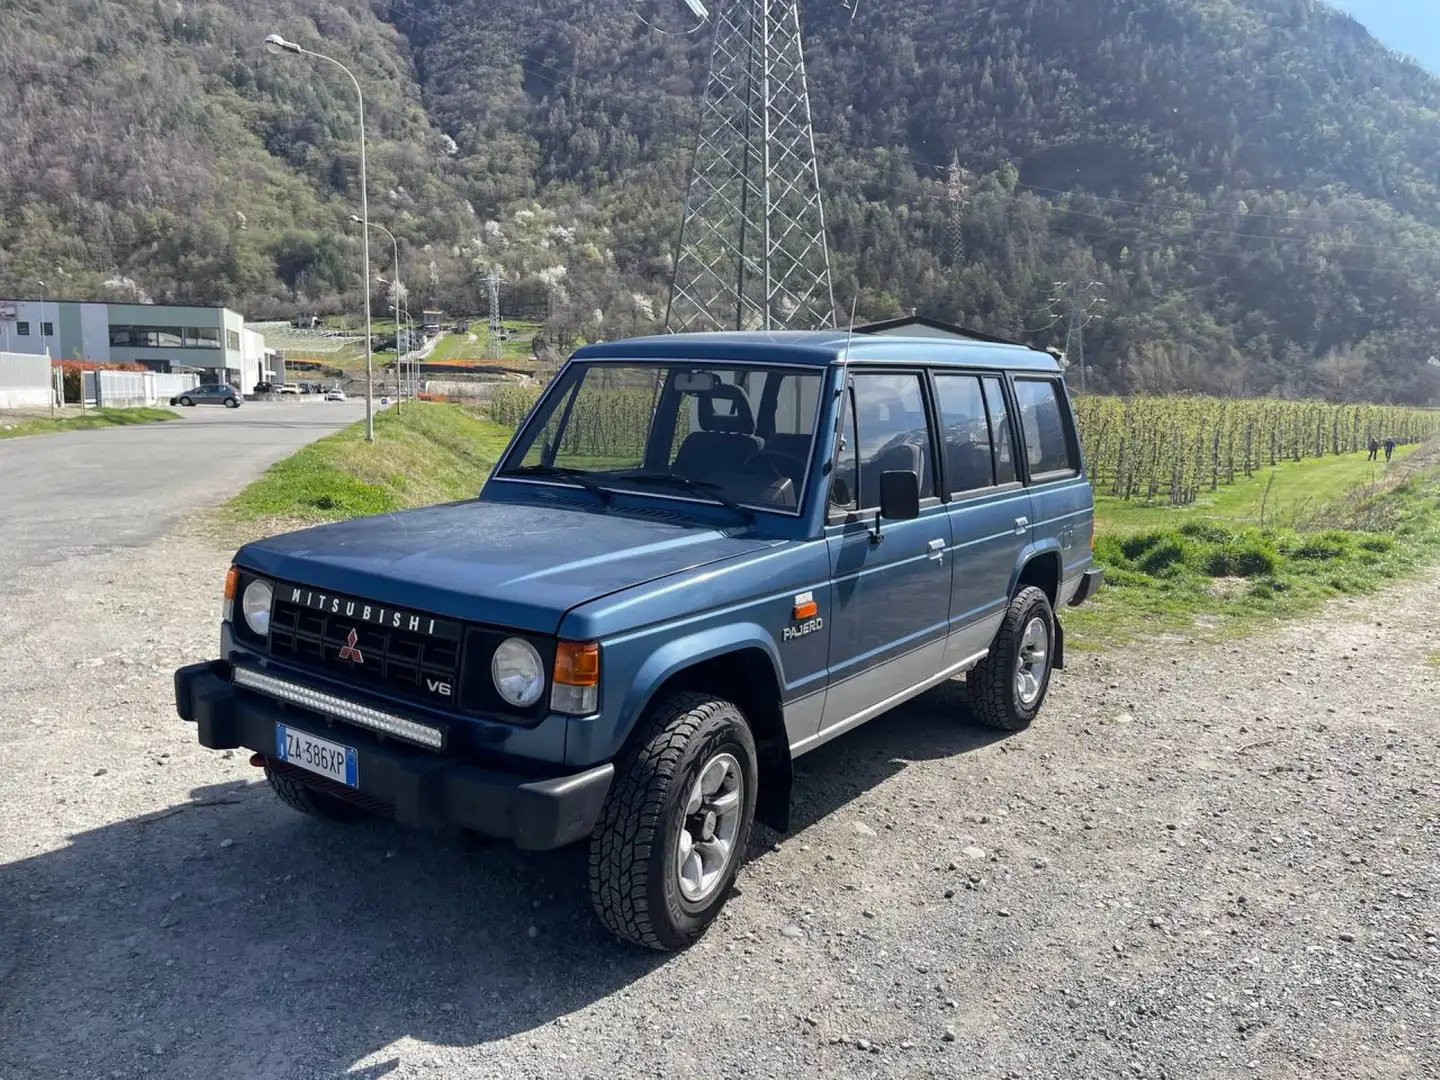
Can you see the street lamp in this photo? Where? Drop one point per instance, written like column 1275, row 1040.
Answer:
column 399, row 358
column 277, row 44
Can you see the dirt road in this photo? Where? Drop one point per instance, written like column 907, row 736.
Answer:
column 1203, row 861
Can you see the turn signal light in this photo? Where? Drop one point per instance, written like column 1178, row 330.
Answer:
column 232, row 580
column 577, row 664
column 576, row 689
column 807, row 610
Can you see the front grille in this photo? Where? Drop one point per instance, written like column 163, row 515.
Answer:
column 401, row 653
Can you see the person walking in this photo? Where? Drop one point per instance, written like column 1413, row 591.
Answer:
column 1389, row 448
column 1374, row 447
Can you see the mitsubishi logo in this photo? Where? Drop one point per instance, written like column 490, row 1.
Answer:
column 350, row 650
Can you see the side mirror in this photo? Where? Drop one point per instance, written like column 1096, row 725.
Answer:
column 899, row 496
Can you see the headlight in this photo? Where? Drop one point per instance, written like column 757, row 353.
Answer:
column 518, row 673
column 255, row 605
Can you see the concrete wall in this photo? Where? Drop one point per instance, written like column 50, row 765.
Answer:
column 25, row 381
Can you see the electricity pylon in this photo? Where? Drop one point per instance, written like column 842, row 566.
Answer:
column 496, row 350
column 751, row 253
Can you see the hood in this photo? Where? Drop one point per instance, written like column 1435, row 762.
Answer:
column 504, row 564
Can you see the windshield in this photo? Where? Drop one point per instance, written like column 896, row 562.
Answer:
column 734, row 434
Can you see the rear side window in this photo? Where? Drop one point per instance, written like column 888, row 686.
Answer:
column 966, row 433
column 1003, row 440
column 1042, row 419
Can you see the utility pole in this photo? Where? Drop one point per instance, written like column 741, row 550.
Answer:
column 751, row 250
column 496, row 327
column 1083, row 300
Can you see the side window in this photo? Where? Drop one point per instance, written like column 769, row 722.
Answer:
column 796, row 400
column 892, row 433
column 1042, row 419
column 967, row 433
column 1002, row 439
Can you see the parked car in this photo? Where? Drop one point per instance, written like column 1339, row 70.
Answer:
column 701, row 557
column 209, row 394
column 290, row 388
column 265, row 388
column 335, row 394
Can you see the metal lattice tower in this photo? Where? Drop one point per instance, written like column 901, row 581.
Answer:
column 1083, row 298
column 751, row 252
column 493, row 281
column 955, row 185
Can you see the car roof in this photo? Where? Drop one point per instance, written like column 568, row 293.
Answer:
column 821, row 348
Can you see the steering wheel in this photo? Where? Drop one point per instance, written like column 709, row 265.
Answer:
column 782, row 465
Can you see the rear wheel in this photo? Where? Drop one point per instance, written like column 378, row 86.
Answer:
column 667, row 847
column 1008, row 687
column 298, row 795
column 231, row 403
column 186, row 402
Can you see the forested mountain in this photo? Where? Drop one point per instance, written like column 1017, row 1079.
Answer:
column 1256, row 183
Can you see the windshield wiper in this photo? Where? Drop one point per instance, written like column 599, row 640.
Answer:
column 561, row 473
column 698, row 487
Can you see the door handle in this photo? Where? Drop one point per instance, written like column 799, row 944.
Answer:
column 1021, row 524
column 937, row 549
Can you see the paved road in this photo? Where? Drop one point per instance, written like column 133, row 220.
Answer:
column 87, row 492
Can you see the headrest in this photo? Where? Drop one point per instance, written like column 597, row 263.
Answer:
column 739, row 421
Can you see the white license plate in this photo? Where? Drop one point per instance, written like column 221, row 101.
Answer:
column 304, row 750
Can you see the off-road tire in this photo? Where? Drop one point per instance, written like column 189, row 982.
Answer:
column 186, row 402
column 298, row 795
column 994, row 697
column 633, row 877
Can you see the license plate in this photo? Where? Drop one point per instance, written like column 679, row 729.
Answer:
column 321, row 756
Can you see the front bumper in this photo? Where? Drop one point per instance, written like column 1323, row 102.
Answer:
column 1089, row 585
column 424, row 789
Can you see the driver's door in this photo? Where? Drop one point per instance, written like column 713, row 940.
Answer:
column 891, row 598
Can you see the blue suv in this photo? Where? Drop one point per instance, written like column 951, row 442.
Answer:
column 701, row 557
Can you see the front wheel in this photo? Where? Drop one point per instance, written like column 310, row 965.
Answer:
column 1008, row 687
column 667, row 847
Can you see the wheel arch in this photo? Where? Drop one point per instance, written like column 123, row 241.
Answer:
column 740, row 666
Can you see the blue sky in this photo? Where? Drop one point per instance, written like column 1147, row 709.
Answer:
column 1412, row 26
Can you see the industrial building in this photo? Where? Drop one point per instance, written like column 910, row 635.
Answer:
column 209, row 341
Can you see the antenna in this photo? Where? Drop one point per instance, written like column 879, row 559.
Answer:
column 850, row 334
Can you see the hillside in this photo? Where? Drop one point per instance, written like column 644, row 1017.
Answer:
column 1256, row 182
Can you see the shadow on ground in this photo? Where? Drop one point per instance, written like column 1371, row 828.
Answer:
column 228, row 936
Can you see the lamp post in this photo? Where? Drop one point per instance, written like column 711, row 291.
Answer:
column 277, row 44
column 399, row 357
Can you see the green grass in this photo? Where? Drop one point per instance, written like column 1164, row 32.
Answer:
column 1213, row 571
column 424, row 454
column 95, row 418
column 458, row 347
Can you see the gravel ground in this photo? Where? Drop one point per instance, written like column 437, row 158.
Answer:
column 1203, row 861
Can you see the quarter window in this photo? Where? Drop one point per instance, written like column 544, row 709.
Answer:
column 966, row 430
column 1042, row 419
column 1002, row 437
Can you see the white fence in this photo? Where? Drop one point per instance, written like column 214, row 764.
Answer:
column 125, row 389
column 26, row 381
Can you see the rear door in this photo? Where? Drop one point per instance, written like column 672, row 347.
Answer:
column 987, row 504
column 890, row 600
column 1062, row 504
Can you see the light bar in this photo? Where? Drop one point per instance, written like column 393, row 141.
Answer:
column 423, row 734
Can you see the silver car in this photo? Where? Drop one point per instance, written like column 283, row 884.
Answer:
column 209, row 394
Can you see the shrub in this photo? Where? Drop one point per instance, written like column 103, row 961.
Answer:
column 1246, row 557
column 1166, row 555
